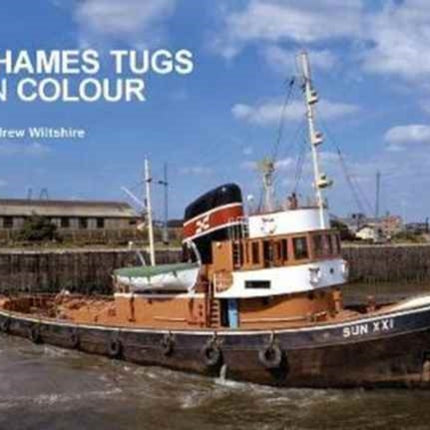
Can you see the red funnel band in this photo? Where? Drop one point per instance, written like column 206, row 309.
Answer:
column 214, row 219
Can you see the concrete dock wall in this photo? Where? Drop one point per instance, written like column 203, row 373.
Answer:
column 82, row 271
column 89, row 270
column 388, row 263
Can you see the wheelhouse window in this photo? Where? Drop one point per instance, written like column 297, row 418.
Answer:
column 65, row 222
column 329, row 244
column 284, row 249
column 336, row 243
column 318, row 245
column 268, row 253
column 83, row 223
column 255, row 251
column 100, row 223
column 300, row 245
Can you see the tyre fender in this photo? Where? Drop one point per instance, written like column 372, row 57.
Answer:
column 167, row 344
column 74, row 339
column 114, row 347
column 5, row 325
column 212, row 354
column 270, row 356
column 34, row 333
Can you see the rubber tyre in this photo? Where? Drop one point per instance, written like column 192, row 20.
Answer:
column 114, row 348
column 75, row 341
column 167, row 345
column 34, row 334
column 212, row 355
column 270, row 356
column 5, row 325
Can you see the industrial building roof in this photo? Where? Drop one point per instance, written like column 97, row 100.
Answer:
column 66, row 208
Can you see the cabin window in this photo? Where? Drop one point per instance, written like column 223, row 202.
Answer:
column 64, row 222
column 255, row 253
column 329, row 244
column 300, row 245
column 7, row 222
column 336, row 243
column 277, row 250
column 257, row 284
column 267, row 253
column 284, row 249
column 100, row 223
column 318, row 245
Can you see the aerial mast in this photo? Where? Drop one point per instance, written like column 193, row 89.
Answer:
column 165, row 185
column 315, row 137
column 378, row 189
column 148, row 181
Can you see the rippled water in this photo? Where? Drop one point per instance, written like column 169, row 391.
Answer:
column 46, row 388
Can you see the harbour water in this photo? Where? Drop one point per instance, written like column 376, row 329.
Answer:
column 43, row 387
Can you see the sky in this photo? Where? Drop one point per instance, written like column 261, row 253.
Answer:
column 370, row 64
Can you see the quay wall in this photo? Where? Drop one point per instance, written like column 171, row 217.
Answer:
column 84, row 271
column 89, row 271
column 374, row 264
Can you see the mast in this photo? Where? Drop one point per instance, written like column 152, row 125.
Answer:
column 165, row 184
column 148, row 181
column 378, row 188
column 315, row 137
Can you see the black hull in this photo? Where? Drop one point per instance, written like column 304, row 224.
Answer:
column 391, row 350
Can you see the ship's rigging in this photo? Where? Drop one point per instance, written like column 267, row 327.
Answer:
column 268, row 166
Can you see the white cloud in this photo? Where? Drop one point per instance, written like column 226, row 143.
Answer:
column 401, row 40
column 391, row 39
column 281, row 164
column 26, row 149
column 284, row 163
column 195, row 170
column 402, row 135
column 276, row 21
column 247, row 150
column 425, row 106
column 269, row 112
column 284, row 61
column 249, row 165
column 133, row 21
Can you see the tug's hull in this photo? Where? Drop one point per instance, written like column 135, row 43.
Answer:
column 389, row 350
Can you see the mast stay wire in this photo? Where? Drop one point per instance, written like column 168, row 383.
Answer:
column 279, row 135
column 301, row 158
column 281, row 124
column 295, row 137
column 357, row 193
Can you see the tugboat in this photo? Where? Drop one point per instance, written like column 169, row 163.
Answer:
column 258, row 298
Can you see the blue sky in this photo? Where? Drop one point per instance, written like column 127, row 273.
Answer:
column 371, row 64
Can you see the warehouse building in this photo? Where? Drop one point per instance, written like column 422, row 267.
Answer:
column 68, row 215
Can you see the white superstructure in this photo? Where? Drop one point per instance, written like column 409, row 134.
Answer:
column 287, row 251
column 286, row 222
